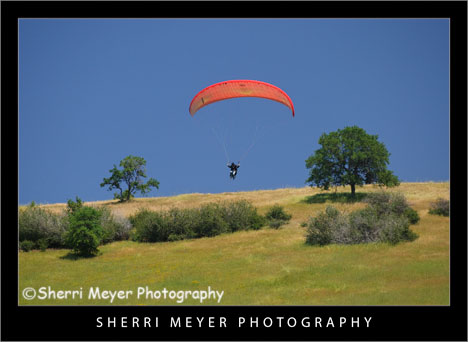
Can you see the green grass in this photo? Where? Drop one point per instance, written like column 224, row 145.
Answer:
column 264, row 267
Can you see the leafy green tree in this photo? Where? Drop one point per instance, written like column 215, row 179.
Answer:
column 352, row 157
column 85, row 231
column 134, row 169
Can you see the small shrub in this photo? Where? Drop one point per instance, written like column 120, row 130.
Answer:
column 440, row 207
column 277, row 213
column 33, row 223
column 386, row 219
column 174, row 225
column 398, row 204
column 379, row 201
column 257, row 221
column 392, row 203
column 58, row 227
column 395, row 229
column 385, row 203
column 320, row 230
column 115, row 228
column 363, row 226
column 85, row 231
column 27, row 245
column 412, row 215
column 83, row 241
column 149, row 226
column 211, row 221
column 276, row 216
column 181, row 223
column 123, row 228
column 36, row 223
column 242, row 215
column 42, row 244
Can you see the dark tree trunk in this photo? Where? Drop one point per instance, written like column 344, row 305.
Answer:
column 353, row 190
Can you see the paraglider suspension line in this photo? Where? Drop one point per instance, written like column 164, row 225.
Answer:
column 222, row 143
column 251, row 145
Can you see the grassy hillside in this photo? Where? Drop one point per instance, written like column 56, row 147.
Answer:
column 264, row 267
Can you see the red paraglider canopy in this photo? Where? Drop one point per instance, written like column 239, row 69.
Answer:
column 239, row 88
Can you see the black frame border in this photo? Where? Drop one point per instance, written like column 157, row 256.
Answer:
column 388, row 323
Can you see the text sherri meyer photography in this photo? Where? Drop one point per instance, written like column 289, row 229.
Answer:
column 240, row 322
column 116, row 296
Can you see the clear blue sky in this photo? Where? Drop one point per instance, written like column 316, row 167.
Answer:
column 92, row 92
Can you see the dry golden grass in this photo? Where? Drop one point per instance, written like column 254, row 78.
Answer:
column 418, row 194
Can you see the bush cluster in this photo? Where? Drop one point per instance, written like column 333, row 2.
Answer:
column 27, row 245
column 42, row 229
column 386, row 219
column 386, row 204
column 39, row 227
column 83, row 228
column 115, row 228
column 209, row 220
column 276, row 216
column 242, row 215
column 440, row 207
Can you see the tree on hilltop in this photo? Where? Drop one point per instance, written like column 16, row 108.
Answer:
column 134, row 169
column 352, row 157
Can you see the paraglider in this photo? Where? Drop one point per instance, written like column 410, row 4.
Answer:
column 239, row 88
column 233, row 168
column 234, row 89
